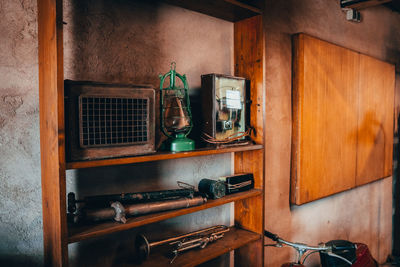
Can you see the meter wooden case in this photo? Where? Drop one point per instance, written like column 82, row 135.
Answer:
column 223, row 106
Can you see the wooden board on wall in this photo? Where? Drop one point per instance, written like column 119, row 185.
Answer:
column 375, row 127
column 324, row 119
column 342, row 119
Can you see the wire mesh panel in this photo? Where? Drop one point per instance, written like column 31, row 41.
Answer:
column 108, row 121
column 105, row 120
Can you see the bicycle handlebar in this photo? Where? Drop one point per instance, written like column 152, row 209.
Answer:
column 303, row 248
column 271, row 235
column 298, row 246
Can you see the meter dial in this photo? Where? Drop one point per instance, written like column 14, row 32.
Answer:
column 212, row 189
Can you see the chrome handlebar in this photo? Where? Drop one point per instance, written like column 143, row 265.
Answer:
column 303, row 248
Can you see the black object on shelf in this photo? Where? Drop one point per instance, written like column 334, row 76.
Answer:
column 212, row 188
column 238, row 182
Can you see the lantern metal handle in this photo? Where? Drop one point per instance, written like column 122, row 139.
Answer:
column 173, row 74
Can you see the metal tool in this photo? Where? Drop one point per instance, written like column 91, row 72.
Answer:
column 117, row 211
column 129, row 198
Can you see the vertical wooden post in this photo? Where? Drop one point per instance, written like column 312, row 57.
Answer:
column 249, row 63
column 52, row 150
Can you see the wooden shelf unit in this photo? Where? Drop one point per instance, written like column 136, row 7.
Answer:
column 249, row 206
column 232, row 240
column 78, row 233
column 159, row 156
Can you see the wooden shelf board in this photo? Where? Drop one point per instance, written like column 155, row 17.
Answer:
column 233, row 239
column 230, row 10
column 82, row 232
column 159, row 156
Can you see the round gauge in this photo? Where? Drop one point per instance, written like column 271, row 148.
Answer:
column 212, row 189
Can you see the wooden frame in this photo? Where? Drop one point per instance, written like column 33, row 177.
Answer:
column 249, row 206
column 52, row 136
column 74, row 147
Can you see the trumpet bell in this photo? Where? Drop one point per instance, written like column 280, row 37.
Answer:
column 142, row 247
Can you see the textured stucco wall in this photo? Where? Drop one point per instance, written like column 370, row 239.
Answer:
column 132, row 42
column 362, row 214
column 121, row 41
column 20, row 189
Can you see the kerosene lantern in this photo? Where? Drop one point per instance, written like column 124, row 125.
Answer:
column 176, row 117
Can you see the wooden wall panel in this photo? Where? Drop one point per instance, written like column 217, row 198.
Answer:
column 343, row 106
column 324, row 119
column 375, row 127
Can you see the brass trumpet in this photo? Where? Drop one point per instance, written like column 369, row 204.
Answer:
column 196, row 239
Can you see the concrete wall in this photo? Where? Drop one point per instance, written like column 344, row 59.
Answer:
column 362, row 214
column 113, row 41
column 20, row 188
column 132, row 42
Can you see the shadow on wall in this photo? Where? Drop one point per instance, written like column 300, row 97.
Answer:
column 393, row 53
column 18, row 260
column 370, row 135
column 111, row 41
column 396, row 192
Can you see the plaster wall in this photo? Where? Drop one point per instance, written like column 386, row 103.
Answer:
column 363, row 214
column 128, row 41
column 120, row 41
column 20, row 187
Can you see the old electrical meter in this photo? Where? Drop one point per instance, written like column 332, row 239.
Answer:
column 224, row 108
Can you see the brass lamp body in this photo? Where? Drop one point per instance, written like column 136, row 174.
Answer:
column 176, row 116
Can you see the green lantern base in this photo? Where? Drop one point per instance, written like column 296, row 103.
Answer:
column 178, row 144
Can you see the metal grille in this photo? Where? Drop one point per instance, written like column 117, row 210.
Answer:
column 108, row 121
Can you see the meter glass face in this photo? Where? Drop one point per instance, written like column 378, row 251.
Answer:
column 218, row 189
column 229, row 106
